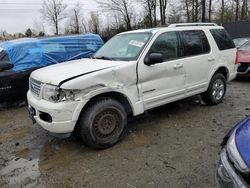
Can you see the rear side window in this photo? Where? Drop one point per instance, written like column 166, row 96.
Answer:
column 194, row 43
column 222, row 39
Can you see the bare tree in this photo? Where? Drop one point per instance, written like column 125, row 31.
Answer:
column 94, row 23
column 222, row 11
column 154, row 6
column 209, row 10
column 244, row 11
column 237, row 10
column 193, row 10
column 187, row 10
column 163, row 6
column 76, row 18
column 124, row 7
column 196, row 10
column 117, row 20
column 175, row 13
column 53, row 12
column 38, row 26
column 150, row 9
column 83, row 22
column 203, row 10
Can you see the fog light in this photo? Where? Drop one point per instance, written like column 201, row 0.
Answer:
column 223, row 174
column 45, row 117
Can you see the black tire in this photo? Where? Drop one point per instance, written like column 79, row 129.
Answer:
column 103, row 123
column 215, row 93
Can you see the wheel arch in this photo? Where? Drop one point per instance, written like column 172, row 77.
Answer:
column 223, row 70
column 114, row 95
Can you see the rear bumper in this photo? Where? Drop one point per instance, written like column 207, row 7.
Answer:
column 226, row 175
column 245, row 71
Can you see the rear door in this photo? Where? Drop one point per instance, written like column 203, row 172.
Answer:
column 198, row 60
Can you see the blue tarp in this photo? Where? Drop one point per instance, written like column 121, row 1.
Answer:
column 31, row 53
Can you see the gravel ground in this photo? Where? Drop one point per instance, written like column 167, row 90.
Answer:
column 175, row 145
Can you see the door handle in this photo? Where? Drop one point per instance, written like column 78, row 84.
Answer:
column 211, row 59
column 178, row 66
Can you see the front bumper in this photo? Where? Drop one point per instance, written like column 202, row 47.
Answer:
column 54, row 117
column 226, row 175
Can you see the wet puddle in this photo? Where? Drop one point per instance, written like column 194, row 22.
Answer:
column 20, row 171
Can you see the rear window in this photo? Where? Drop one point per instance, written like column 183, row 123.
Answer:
column 194, row 42
column 222, row 39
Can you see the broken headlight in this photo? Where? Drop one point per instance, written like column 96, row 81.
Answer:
column 55, row 94
column 234, row 154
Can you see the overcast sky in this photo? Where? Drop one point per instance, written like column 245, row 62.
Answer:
column 18, row 15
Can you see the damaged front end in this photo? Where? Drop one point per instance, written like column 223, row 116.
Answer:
column 233, row 169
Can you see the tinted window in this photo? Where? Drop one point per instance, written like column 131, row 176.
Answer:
column 222, row 39
column 194, row 42
column 167, row 45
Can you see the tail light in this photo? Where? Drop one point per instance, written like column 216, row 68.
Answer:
column 237, row 57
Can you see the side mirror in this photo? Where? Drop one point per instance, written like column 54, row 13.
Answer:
column 153, row 58
column 5, row 65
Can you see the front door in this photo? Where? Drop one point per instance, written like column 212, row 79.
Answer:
column 162, row 82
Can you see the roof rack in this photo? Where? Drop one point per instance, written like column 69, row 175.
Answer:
column 192, row 24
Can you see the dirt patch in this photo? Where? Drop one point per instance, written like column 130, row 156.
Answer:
column 14, row 134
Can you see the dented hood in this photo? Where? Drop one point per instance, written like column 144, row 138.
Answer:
column 58, row 73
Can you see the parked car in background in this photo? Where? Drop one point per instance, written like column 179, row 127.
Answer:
column 18, row 58
column 133, row 72
column 233, row 168
column 244, row 59
column 240, row 41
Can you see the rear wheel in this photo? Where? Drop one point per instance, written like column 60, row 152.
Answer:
column 216, row 90
column 103, row 123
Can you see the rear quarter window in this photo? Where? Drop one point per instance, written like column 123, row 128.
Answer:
column 194, row 42
column 222, row 39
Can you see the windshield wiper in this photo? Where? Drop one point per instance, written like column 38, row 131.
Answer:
column 103, row 57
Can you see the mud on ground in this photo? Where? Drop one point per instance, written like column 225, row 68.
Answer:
column 175, row 145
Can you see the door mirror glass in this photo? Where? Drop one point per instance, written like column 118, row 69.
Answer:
column 153, row 58
column 5, row 65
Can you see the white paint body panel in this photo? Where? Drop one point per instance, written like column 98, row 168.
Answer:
column 145, row 87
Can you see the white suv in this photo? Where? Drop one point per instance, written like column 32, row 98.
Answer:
column 133, row 72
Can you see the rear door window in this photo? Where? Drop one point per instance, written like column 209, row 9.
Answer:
column 222, row 39
column 194, row 42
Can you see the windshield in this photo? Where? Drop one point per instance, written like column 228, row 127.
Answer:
column 124, row 47
column 240, row 41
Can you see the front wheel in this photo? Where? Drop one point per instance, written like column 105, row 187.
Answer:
column 216, row 90
column 103, row 123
